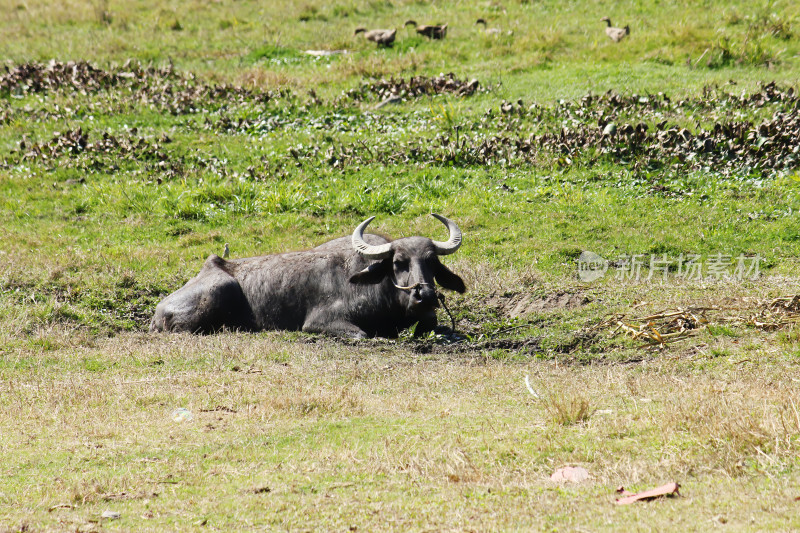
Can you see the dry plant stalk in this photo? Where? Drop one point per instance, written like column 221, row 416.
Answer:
column 665, row 327
column 777, row 314
column 662, row 328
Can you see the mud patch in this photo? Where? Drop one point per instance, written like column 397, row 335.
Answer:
column 524, row 346
column 447, row 342
column 520, row 305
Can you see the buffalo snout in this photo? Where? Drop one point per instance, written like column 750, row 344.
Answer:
column 424, row 296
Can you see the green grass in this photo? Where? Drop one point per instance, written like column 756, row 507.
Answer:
column 119, row 179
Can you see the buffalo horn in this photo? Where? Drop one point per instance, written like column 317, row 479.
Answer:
column 453, row 243
column 382, row 251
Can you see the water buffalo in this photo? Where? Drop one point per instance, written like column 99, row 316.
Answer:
column 358, row 286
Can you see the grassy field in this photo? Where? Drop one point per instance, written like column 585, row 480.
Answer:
column 137, row 138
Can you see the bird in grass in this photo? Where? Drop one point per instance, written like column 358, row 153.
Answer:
column 379, row 37
column 430, row 31
column 226, row 252
column 486, row 30
column 615, row 34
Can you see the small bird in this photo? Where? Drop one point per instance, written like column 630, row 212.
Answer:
column 428, row 30
column 488, row 31
column 615, row 34
column 226, row 252
column 380, row 37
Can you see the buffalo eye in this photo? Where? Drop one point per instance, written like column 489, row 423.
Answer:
column 401, row 264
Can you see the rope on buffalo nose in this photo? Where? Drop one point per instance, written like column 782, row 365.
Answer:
column 440, row 296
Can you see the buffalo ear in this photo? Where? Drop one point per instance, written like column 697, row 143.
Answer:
column 374, row 273
column 449, row 280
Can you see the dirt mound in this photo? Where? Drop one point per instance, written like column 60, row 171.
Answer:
column 519, row 305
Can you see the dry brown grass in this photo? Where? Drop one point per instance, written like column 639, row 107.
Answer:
column 375, row 437
column 567, row 409
column 257, row 78
column 376, row 66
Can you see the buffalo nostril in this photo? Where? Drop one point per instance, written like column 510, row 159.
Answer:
column 426, row 296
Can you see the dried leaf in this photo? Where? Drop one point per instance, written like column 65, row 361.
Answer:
column 663, row 490
column 61, row 506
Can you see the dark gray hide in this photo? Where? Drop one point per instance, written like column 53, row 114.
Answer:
column 328, row 289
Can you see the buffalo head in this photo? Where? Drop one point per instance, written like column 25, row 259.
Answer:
column 412, row 266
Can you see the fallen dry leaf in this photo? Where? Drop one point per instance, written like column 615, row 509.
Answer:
column 573, row 474
column 663, row 490
column 61, row 506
